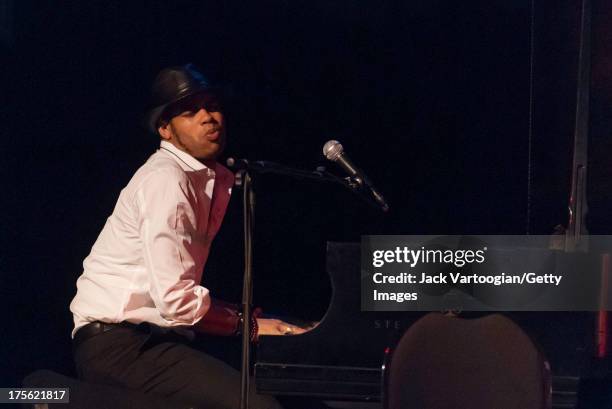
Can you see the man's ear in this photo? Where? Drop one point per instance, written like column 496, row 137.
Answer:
column 164, row 130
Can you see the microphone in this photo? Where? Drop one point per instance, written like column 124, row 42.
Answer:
column 334, row 152
column 237, row 164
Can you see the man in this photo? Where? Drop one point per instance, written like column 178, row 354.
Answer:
column 139, row 300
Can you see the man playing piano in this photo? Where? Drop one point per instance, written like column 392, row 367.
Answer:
column 139, row 301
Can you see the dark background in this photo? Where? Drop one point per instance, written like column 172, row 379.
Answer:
column 432, row 98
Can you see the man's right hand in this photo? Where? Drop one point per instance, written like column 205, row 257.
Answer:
column 273, row 326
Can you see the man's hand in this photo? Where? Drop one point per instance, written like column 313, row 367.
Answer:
column 272, row 326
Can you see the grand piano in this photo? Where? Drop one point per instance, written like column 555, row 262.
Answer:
column 342, row 359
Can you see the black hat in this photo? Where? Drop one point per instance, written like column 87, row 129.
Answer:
column 172, row 85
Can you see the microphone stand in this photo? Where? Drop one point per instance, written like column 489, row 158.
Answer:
column 247, row 286
column 245, row 171
column 353, row 183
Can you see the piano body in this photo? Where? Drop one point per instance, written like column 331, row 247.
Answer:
column 342, row 358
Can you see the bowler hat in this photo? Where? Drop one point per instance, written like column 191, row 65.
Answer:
column 172, row 85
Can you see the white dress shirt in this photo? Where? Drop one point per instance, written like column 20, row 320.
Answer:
column 147, row 263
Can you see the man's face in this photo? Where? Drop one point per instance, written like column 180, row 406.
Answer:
column 197, row 127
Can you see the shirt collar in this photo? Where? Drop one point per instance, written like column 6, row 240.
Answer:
column 183, row 157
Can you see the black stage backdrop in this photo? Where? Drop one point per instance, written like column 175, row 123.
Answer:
column 431, row 98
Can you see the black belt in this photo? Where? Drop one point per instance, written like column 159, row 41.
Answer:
column 95, row 328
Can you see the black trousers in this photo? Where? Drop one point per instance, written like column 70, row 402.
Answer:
column 145, row 359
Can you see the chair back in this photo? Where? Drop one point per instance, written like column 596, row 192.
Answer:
column 445, row 362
